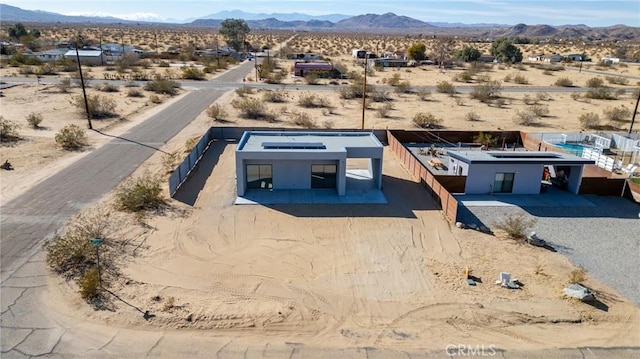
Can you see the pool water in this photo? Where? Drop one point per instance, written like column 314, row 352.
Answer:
column 573, row 148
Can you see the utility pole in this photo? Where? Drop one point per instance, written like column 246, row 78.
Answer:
column 84, row 91
column 635, row 111
column 364, row 90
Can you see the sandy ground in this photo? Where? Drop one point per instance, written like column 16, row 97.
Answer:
column 378, row 275
column 384, row 275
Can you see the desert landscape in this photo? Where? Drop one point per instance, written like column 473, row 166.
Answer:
column 384, row 276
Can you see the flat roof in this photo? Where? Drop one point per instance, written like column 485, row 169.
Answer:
column 537, row 157
column 271, row 141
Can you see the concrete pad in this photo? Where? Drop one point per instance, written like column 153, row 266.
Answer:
column 555, row 198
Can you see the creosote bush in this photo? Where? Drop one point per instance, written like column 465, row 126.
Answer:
column 71, row 137
column 244, row 90
column 99, row 106
column 563, row 82
column 303, row 119
column 34, row 119
column 216, row 112
column 472, row 116
column 525, row 117
column 192, row 73
column 589, row 120
column 134, row 92
column 446, row 87
column 617, row 114
column 8, row 130
column 426, row 120
column 141, row 193
column 89, row 285
column 155, row 99
column 107, row 87
column 162, row 86
column 486, row 92
column 577, row 275
column 516, row 226
column 275, row 96
column 313, row 101
column 64, row 85
column 384, row 110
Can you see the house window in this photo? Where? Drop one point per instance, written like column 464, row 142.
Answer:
column 259, row 177
column 503, row 183
column 323, row 176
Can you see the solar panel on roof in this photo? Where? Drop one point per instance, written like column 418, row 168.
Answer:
column 293, row 145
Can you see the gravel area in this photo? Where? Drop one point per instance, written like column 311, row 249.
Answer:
column 604, row 239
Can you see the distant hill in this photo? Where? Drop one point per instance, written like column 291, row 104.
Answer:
column 389, row 22
column 238, row 14
column 10, row 13
column 384, row 21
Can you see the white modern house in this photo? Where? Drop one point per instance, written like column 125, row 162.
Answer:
column 282, row 160
column 516, row 172
column 89, row 57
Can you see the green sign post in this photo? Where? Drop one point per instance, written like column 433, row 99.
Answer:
column 96, row 243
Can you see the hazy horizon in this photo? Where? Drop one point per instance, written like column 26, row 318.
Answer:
column 591, row 13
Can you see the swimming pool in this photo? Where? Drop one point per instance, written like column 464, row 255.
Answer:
column 573, row 148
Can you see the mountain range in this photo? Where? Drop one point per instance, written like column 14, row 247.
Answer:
column 390, row 22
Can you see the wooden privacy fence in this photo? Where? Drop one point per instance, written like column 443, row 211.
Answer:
column 181, row 173
column 447, row 202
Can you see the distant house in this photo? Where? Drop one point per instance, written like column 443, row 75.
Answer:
column 321, row 68
column 89, row 57
column 306, row 56
column 359, row 53
column 575, row 57
column 388, row 62
column 610, row 60
column 486, row 58
column 116, row 51
column 535, row 57
column 552, row 58
column 50, row 55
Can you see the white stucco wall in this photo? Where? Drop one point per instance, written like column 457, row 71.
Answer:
column 526, row 180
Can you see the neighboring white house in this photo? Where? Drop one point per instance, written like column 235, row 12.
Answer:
column 516, row 172
column 278, row 160
column 89, row 57
column 610, row 60
column 535, row 57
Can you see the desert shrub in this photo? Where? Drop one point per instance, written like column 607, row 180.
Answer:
column 529, row 100
column 275, row 96
column 577, row 96
column 403, row 87
column 140, row 193
column 547, row 72
column 636, row 92
column 311, row 78
column 507, row 78
column 486, row 92
column 89, row 284
column 71, row 137
column 163, row 63
column 155, row 99
column 163, row 86
column 472, row 116
column 379, row 94
column 446, row 87
column 250, row 108
column 589, row 120
column 525, row 118
column 539, row 110
column 516, row 226
column 107, row 87
column 353, row 91
column 310, row 100
column 617, row 80
column 71, row 253
column 303, row 119
column 520, row 79
column 465, row 76
column 577, row 275
column 601, row 93
column 99, row 106
column 8, row 130
column 384, row 110
column 130, row 84
column 46, row 69
column 64, row 85
column 483, row 78
column 394, row 80
column 190, row 143
column 170, row 161
column 424, row 94
column 595, row 82
column 563, row 82
column 244, row 90
column 617, row 114
column 274, row 77
column 459, row 101
column 34, row 119
column 216, row 112
column 426, row 120
column 543, row 96
column 133, row 92
column 619, row 92
column 192, row 73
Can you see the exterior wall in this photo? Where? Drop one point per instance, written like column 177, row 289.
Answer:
column 291, row 170
column 526, row 179
column 454, row 167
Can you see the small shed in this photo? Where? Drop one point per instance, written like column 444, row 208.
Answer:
column 89, row 57
column 388, row 62
column 575, row 57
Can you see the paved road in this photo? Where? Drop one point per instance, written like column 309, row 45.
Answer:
column 29, row 328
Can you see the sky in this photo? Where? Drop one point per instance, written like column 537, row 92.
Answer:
column 510, row 12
